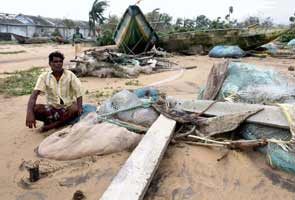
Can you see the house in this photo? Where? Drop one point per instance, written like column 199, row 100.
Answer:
column 31, row 26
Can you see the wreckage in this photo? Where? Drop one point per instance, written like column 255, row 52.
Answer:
column 134, row 35
column 203, row 41
column 107, row 63
column 148, row 121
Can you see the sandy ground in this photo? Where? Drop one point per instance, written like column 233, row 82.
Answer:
column 186, row 172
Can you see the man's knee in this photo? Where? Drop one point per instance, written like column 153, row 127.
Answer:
column 39, row 108
column 72, row 111
column 42, row 112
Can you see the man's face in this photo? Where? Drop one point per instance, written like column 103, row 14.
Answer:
column 56, row 64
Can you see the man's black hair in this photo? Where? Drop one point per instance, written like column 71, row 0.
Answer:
column 56, row 54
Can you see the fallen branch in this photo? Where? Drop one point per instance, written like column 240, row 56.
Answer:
column 79, row 61
column 186, row 134
column 180, row 116
column 237, row 144
column 201, row 144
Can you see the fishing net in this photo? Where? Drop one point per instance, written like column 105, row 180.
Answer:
column 226, row 52
column 137, row 111
column 245, row 83
column 87, row 138
column 291, row 43
column 270, row 48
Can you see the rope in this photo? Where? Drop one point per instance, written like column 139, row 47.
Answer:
column 146, row 104
column 121, row 124
column 105, row 117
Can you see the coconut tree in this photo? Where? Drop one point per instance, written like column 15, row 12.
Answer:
column 96, row 14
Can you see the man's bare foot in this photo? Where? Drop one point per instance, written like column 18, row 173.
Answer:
column 46, row 127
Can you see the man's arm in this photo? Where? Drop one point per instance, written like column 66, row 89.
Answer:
column 79, row 104
column 30, row 119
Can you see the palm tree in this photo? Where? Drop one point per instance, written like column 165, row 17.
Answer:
column 231, row 9
column 96, row 14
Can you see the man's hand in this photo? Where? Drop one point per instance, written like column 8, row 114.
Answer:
column 30, row 120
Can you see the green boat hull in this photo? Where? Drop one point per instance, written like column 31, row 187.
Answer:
column 245, row 38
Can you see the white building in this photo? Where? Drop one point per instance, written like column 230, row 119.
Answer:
column 30, row 26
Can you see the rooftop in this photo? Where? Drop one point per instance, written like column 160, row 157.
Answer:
column 20, row 19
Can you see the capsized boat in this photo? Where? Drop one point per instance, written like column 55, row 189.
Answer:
column 246, row 38
column 134, row 34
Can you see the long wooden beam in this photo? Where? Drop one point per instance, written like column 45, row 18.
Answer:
column 270, row 116
column 134, row 177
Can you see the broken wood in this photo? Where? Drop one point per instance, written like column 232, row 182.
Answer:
column 180, row 116
column 215, row 80
column 80, row 61
column 133, row 179
column 186, row 134
column 222, row 124
column 232, row 144
column 269, row 116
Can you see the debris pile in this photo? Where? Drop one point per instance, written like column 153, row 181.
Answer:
column 108, row 63
column 242, row 82
column 105, row 131
column 275, row 50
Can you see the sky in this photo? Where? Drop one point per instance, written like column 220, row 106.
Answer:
column 279, row 10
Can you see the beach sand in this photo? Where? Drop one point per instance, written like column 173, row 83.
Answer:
column 186, row 172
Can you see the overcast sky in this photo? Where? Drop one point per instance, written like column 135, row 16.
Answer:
column 279, row 10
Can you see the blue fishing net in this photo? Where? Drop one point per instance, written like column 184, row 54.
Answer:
column 87, row 108
column 222, row 51
column 248, row 84
column 270, row 48
column 147, row 92
column 291, row 42
column 245, row 83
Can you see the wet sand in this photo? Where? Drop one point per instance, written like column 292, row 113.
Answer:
column 186, row 172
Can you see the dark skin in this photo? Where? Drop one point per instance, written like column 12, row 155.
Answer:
column 39, row 111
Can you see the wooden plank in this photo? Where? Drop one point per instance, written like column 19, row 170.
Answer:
column 270, row 116
column 134, row 177
column 215, row 80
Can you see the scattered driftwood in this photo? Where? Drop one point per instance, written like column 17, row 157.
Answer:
column 192, row 131
column 104, row 63
column 183, row 117
column 230, row 144
column 222, row 124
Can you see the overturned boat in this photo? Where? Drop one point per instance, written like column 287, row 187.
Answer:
column 34, row 40
column 246, row 38
column 134, row 34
